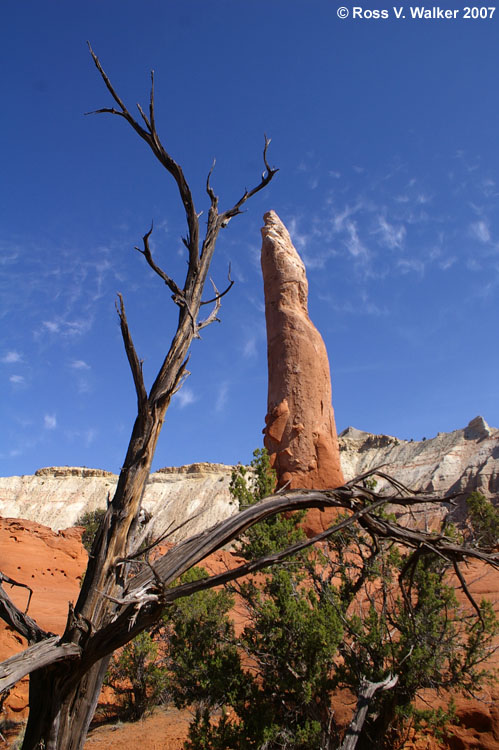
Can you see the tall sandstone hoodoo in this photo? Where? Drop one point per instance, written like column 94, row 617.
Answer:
column 300, row 432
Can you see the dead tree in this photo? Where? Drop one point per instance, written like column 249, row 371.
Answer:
column 71, row 666
column 61, row 706
column 66, row 672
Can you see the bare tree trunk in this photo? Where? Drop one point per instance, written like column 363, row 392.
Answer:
column 62, row 702
column 367, row 691
column 66, row 673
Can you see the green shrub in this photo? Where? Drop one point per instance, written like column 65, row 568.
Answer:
column 91, row 520
column 138, row 677
column 355, row 609
column 483, row 518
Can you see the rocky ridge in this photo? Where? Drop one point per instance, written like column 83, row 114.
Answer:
column 454, row 462
column 195, row 496
column 459, row 461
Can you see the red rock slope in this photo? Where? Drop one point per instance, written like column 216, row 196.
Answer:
column 52, row 564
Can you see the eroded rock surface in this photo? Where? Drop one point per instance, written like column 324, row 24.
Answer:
column 300, row 432
column 460, row 461
column 192, row 497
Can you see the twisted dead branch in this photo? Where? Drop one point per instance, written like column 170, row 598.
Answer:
column 147, row 594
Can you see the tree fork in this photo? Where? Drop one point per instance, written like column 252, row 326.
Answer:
column 66, row 673
column 62, row 701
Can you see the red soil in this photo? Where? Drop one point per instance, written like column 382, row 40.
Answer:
column 52, row 565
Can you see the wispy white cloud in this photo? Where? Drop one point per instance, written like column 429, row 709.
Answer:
column 489, row 188
column 17, row 379
column 392, row 235
column 79, row 364
column 447, row 263
column 90, row 435
column 223, row 393
column 50, row 421
column 11, row 358
column 303, row 240
column 361, row 305
column 408, row 265
column 84, row 386
column 480, row 231
column 86, row 436
column 51, row 325
column 249, row 347
column 185, row 397
column 8, row 254
column 353, row 242
column 422, row 199
column 299, row 239
column 371, row 308
column 473, row 264
column 315, row 260
column 339, row 217
column 82, row 373
column 76, row 327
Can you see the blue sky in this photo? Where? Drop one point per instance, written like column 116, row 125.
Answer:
column 385, row 133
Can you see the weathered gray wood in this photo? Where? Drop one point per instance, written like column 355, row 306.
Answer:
column 60, row 699
column 49, row 651
column 367, row 691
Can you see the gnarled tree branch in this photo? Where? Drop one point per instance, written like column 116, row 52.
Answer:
column 49, row 651
column 150, row 136
column 134, row 362
column 267, row 175
column 146, row 252
column 149, row 592
column 19, row 621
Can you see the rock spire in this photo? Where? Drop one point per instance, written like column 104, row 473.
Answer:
column 300, row 432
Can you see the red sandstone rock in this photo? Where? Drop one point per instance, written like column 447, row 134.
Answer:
column 300, row 433
column 52, row 564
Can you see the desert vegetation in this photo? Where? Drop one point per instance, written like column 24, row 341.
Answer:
column 351, row 613
column 299, row 614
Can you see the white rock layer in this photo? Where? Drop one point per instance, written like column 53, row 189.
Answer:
column 459, row 461
column 197, row 496
column 57, row 496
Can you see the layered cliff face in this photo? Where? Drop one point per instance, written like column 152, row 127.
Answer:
column 300, row 432
column 194, row 496
column 459, row 461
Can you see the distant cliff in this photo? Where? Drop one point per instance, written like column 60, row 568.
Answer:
column 459, row 461
column 193, row 497
column 196, row 496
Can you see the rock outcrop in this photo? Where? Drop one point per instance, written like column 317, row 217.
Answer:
column 459, row 461
column 193, row 497
column 52, row 566
column 300, row 432
column 455, row 462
